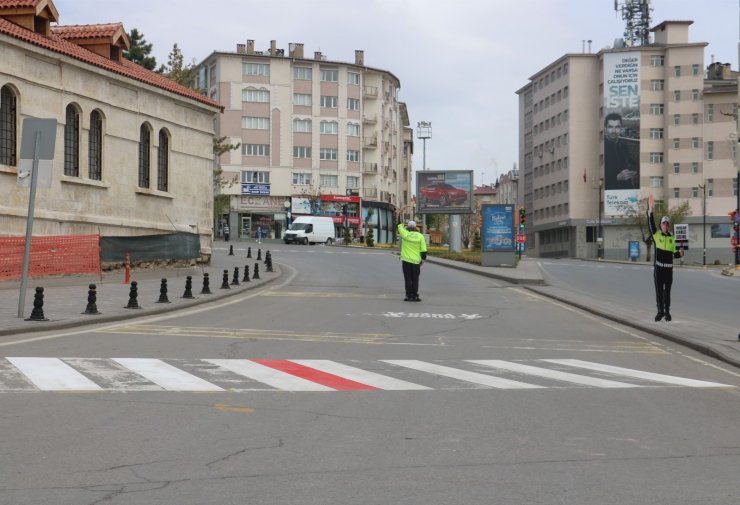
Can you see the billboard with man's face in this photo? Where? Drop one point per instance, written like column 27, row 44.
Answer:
column 444, row 192
column 621, row 131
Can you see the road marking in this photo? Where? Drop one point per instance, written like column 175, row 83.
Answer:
column 323, row 294
column 370, row 378
column 268, row 375
column 52, row 374
column 314, row 375
column 463, row 375
column 628, row 372
column 166, row 375
column 552, row 374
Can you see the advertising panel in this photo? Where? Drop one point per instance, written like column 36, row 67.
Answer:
column 497, row 228
column 444, row 192
column 621, row 131
column 249, row 188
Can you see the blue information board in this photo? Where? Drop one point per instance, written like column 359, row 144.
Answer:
column 497, row 229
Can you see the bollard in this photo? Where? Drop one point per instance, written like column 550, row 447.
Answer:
column 206, row 285
column 267, row 255
column 256, row 274
column 246, row 274
column 231, row 250
column 235, row 279
column 133, row 303
column 188, row 287
column 37, row 314
column 127, row 264
column 259, row 254
column 225, row 281
column 249, row 252
column 268, row 262
column 163, row 292
column 92, row 307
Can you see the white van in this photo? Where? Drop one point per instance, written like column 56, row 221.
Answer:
column 310, row 229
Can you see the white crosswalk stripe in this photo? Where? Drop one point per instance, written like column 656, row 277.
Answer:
column 18, row 374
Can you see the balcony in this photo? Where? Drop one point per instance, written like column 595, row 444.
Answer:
column 369, row 142
column 370, row 119
column 370, row 92
column 370, row 193
column 369, row 168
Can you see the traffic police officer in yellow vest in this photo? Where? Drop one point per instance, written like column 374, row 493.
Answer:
column 413, row 254
column 665, row 251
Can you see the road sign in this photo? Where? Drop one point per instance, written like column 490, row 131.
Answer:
column 681, row 231
column 521, row 238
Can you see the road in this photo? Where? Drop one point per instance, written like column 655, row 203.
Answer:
column 326, row 388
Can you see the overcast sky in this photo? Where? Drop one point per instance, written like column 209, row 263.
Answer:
column 459, row 61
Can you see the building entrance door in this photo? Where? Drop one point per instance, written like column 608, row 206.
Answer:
column 246, row 225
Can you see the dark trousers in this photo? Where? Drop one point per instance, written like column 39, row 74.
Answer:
column 663, row 280
column 411, row 273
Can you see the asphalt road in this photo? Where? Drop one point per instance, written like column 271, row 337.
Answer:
column 326, row 388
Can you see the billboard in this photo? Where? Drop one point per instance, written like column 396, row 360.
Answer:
column 497, row 228
column 621, row 131
column 444, row 192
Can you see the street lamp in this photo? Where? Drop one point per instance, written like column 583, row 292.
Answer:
column 704, row 222
column 424, row 132
column 599, row 238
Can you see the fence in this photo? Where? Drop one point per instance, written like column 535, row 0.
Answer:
column 54, row 255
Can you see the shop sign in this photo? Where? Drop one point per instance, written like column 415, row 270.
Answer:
column 272, row 203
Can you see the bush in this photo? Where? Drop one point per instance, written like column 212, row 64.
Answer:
column 347, row 236
column 370, row 238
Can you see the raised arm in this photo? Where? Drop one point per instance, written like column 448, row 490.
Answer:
column 650, row 219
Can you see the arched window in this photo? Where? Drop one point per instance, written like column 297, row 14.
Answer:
column 145, row 148
column 95, row 146
column 72, row 142
column 163, row 160
column 8, row 127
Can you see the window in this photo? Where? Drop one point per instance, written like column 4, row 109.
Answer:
column 676, row 143
column 256, row 177
column 710, row 113
column 353, row 155
column 256, row 123
column 353, row 78
column 710, row 150
column 656, row 133
column 145, row 148
column 330, row 127
column 255, row 149
column 695, row 118
column 694, row 94
column 695, row 69
column 565, row 92
column 327, row 154
column 695, row 167
column 353, row 104
column 301, row 152
column 676, row 193
column 329, row 75
column 328, row 181
column 656, row 108
column 676, row 168
column 676, row 96
column 302, row 125
column 72, row 142
column 695, row 142
column 694, row 192
column 255, row 95
column 677, row 71
column 163, row 160
column 677, row 119
column 353, row 181
column 657, row 84
column 255, row 68
column 95, row 146
column 710, row 187
column 302, row 73
column 657, row 60
column 301, row 179
column 656, row 182
column 301, row 99
column 330, row 102
column 353, row 130
column 8, row 127
column 656, row 157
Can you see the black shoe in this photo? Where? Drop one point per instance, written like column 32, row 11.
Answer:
column 416, row 299
column 407, row 299
column 659, row 316
column 668, row 316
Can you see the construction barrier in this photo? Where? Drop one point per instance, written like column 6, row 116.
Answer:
column 54, row 255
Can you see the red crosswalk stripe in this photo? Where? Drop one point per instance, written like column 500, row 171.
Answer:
column 313, row 375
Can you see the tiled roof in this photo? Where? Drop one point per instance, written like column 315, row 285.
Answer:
column 38, row 6
column 86, row 31
column 125, row 68
column 15, row 4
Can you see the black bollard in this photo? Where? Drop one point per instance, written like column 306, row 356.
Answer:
column 235, row 279
column 188, row 287
column 259, row 254
column 163, row 292
column 225, row 281
column 92, row 298
column 37, row 314
column 268, row 262
column 249, row 252
column 133, row 294
column 231, row 250
column 206, row 285
column 246, row 274
column 256, row 274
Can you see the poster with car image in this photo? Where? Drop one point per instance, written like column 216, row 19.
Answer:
column 497, row 227
column 444, row 192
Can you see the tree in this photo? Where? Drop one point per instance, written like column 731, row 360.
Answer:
column 636, row 216
column 140, row 51
column 177, row 70
column 221, row 201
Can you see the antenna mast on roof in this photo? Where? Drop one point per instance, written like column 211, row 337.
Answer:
column 636, row 14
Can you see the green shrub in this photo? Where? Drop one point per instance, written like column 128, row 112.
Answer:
column 370, row 238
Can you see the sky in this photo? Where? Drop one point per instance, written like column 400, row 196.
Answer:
column 459, row 62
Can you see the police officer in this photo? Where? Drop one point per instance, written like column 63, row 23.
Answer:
column 413, row 254
column 665, row 251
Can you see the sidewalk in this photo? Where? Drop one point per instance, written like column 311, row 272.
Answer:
column 65, row 298
column 715, row 340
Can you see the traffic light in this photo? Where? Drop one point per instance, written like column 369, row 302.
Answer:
column 522, row 218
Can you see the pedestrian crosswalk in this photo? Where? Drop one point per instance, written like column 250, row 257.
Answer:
column 29, row 374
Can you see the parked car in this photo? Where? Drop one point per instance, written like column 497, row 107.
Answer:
column 309, row 230
column 442, row 194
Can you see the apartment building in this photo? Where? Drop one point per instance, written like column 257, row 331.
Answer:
column 676, row 129
column 317, row 137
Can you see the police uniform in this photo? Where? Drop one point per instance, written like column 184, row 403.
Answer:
column 413, row 252
column 665, row 251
